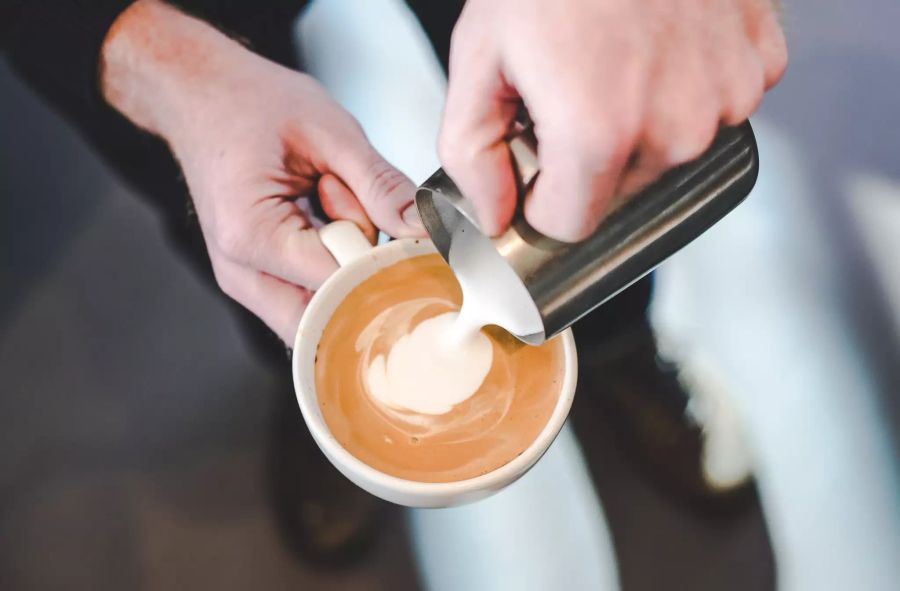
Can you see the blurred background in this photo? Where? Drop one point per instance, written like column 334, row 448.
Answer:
column 136, row 427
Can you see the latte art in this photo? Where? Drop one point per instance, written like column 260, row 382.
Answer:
column 409, row 395
column 421, row 373
column 424, row 371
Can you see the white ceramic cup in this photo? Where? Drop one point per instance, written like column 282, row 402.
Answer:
column 358, row 261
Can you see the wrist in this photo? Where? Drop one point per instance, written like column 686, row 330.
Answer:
column 162, row 68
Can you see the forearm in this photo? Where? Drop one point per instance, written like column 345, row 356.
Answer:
column 159, row 66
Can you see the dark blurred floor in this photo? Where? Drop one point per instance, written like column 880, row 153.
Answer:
column 134, row 423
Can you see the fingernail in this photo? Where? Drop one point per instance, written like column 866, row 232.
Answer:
column 411, row 218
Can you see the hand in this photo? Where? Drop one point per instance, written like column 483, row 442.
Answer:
column 252, row 136
column 619, row 91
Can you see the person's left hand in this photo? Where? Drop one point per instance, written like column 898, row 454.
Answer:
column 619, row 91
column 253, row 139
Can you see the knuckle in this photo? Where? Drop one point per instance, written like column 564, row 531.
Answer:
column 352, row 128
column 744, row 97
column 690, row 139
column 776, row 59
column 696, row 141
column 604, row 148
column 224, row 281
column 384, row 179
column 456, row 155
column 598, row 136
column 625, row 139
column 590, row 140
column 231, row 241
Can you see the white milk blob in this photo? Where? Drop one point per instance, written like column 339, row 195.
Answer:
column 424, row 373
column 425, row 368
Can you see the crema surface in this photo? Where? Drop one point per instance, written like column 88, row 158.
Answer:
column 405, row 397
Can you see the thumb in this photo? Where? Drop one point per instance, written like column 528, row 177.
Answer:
column 386, row 194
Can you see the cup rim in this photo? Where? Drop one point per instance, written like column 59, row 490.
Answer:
column 364, row 267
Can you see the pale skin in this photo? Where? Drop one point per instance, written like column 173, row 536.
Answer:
column 619, row 90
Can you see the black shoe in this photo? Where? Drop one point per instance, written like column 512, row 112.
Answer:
column 663, row 415
column 320, row 514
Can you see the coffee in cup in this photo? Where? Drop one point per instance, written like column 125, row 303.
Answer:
column 403, row 392
column 439, row 476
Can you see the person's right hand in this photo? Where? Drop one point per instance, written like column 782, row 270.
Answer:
column 619, row 92
column 252, row 136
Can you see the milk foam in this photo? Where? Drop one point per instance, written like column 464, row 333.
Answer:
column 425, row 372
column 426, row 368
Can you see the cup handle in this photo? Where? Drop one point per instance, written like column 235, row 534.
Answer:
column 345, row 241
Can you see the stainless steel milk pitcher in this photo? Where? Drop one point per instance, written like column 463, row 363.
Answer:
column 565, row 281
